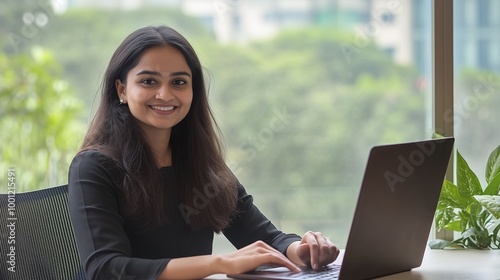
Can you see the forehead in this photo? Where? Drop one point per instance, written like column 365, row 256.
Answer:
column 162, row 59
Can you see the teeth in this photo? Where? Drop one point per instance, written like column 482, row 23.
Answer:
column 163, row 108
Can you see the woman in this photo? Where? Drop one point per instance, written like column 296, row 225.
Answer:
column 150, row 187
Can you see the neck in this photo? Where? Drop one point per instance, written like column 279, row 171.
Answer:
column 159, row 141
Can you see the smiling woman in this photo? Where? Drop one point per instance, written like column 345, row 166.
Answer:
column 150, row 186
column 158, row 93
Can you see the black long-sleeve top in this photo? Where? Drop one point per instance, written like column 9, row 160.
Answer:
column 112, row 246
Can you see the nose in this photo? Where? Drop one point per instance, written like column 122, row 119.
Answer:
column 164, row 94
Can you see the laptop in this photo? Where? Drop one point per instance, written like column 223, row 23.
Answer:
column 393, row 216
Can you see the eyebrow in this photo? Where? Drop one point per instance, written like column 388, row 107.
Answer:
column 156, row 73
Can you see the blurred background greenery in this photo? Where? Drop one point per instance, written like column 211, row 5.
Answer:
column 299, row 109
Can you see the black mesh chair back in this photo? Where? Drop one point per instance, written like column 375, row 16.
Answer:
column 37, row 239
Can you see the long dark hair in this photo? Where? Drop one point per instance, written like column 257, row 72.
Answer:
column 197, row 156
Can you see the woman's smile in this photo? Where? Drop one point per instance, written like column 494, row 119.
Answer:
column 163, row 110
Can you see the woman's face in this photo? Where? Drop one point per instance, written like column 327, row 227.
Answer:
column 159, row 89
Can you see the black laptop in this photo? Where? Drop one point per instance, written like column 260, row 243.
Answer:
column 393, row 216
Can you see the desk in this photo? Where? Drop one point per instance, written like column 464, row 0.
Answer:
column 446, row 265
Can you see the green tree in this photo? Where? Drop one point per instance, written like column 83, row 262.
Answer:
column 39, row 120
column 299, row 117
column 298, row 111
column 331, row 103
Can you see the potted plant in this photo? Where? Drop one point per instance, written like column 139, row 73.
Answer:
column 469, row 209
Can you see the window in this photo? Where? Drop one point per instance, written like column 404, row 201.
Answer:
column 477, row 83
column 318, row 97
column 484, row 8
column 301, row 91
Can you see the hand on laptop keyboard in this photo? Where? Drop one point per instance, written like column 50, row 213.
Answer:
column 314, row 250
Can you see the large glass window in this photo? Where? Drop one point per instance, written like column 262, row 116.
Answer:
column 301, row 89
column 314, row 95
column 477, row 81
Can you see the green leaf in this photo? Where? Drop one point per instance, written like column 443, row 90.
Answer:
column 496, row 237
column 482, row 242
column 436, row 135
column 464, row 220
column 450, row 197
column 467, row 182
column 449, row 200
column 493, row 165
column 439, row 244
column 491, row 203
column 475, row 210
column 454, row 225
column 493, row 186
column 443, row 217
column 481, row 237
column 493, row 226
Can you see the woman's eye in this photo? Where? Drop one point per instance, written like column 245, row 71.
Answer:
column 179, row 82
column 148, row 82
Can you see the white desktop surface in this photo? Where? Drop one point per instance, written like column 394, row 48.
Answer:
column 446, row 265
column 455, row 264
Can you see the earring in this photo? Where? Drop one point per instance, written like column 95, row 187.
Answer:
column 121, row 101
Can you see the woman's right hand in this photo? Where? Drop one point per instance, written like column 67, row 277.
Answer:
column 253, row 256
column 243, row 260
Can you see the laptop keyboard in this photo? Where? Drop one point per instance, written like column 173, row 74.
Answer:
column 330, row 272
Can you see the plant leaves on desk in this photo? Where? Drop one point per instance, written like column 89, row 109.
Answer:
column 467, row 182
column 491, row 203
column 439, row 244
column 493, row 187
column 493, row 166
column 470, row 210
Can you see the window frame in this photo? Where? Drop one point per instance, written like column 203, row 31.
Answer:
column 442, row 81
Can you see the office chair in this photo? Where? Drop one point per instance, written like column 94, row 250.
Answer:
column 44, row 247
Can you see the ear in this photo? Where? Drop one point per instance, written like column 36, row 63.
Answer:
column 120, row 89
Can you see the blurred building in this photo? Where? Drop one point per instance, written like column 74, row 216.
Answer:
column 401, row 28
column 118, row 4
column 245, row 20
column 477, row 34
column 475, row 24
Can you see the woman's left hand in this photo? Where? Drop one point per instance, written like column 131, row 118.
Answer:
column 314, row 250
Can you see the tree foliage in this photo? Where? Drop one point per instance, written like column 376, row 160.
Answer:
column 309, row 112
column 39, row 120
column 299, row 112
column 299, row 118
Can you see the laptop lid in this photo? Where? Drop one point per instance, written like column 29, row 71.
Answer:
column 395, row 208
column 394, row 212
